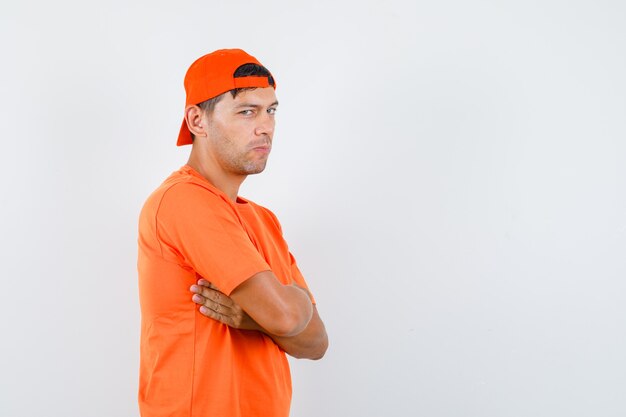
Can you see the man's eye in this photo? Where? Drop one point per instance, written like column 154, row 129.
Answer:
column 271, row 110
column 246, row 112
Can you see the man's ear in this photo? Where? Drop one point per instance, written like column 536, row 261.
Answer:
column 194, row 118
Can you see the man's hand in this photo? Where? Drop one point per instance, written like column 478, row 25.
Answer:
column 218, row 306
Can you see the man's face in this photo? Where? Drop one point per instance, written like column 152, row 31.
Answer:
column 241, row 129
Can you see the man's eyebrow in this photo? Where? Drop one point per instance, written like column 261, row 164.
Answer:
column 255, row 106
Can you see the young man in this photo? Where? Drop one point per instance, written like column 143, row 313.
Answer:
column 222, row 298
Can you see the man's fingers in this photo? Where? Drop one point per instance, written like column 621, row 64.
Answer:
column 216, row 315
column 213, row 299
column 212, row 305
column 205, row 292
column 213, row 295
column 211, row 313
column 203, row 282
column 215, row 304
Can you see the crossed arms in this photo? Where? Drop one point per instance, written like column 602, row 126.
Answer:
column 261, row 303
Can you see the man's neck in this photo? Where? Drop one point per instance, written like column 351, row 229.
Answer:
column 225, row 182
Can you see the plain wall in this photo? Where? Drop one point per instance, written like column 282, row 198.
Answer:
column 450, row 176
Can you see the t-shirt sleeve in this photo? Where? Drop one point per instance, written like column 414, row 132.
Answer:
column 296, row 275
column 204, row 231
column 298, row 278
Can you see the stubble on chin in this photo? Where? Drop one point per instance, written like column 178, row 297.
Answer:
column 256, row 167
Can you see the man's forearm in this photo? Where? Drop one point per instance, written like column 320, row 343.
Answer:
column 311, row 343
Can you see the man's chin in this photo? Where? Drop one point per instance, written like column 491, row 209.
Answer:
column 258, row 171
column 252, row 170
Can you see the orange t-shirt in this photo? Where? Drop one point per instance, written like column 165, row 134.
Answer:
column 191, row 365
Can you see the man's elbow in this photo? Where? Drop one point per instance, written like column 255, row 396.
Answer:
column 314, row 353
column 319, row 353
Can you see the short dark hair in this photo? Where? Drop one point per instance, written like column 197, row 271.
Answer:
column 246, row 70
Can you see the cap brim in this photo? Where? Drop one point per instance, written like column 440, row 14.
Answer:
column 184, row 137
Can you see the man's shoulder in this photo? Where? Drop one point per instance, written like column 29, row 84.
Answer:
column 182, row 188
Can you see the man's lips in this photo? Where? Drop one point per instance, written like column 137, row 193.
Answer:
column 262, row 148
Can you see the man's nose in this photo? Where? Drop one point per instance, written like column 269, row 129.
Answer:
column 265, row 125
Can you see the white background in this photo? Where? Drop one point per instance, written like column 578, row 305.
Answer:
column 449, row 174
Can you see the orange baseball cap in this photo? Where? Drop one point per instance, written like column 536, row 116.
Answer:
column 212, row 75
